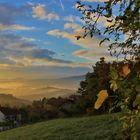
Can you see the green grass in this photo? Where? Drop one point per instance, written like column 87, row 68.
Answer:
column 103, row 127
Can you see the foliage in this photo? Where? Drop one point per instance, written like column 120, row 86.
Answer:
column 121, row 19
column 45, row 109
column 120, row 79
column 126, row 90
column 93, row 83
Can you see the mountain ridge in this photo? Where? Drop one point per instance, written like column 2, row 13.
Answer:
column 11, row 100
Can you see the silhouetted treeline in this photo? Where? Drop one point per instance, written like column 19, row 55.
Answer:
column 45, row 109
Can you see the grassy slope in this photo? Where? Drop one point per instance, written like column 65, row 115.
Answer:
column 103, row 127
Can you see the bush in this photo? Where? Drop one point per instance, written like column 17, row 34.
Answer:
column 120, row 79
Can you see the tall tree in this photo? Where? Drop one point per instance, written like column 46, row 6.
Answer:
column 122, row 25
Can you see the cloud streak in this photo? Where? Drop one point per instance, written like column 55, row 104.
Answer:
column 92, row 52
column 88, row 42
column 9, row 12
column 92, row 56
column 15, row 27
column 20, row 51
column 17, row 50
column 62, row 5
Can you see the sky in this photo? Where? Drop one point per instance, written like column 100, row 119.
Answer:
column 37, row 40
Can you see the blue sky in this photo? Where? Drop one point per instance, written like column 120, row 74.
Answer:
column 37, row 40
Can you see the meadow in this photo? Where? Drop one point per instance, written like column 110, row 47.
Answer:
column 105, row 127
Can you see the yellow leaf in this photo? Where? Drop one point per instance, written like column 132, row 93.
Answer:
column 126, row 70
column 102, row 96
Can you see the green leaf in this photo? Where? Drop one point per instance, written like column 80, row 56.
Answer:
column 113, row 73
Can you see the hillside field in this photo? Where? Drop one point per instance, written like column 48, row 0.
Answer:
column 103, row 127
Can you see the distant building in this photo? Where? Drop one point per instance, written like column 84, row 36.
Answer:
column 9, row 118
column 2, row 117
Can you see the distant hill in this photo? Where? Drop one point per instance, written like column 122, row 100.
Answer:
column 64, row 82
column 32, row 89
column 48, row 92
column 75, row 78
column 9, row 99
column 67, row 82
column 102, row 127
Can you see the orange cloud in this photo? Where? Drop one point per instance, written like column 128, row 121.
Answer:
column 93, row 56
